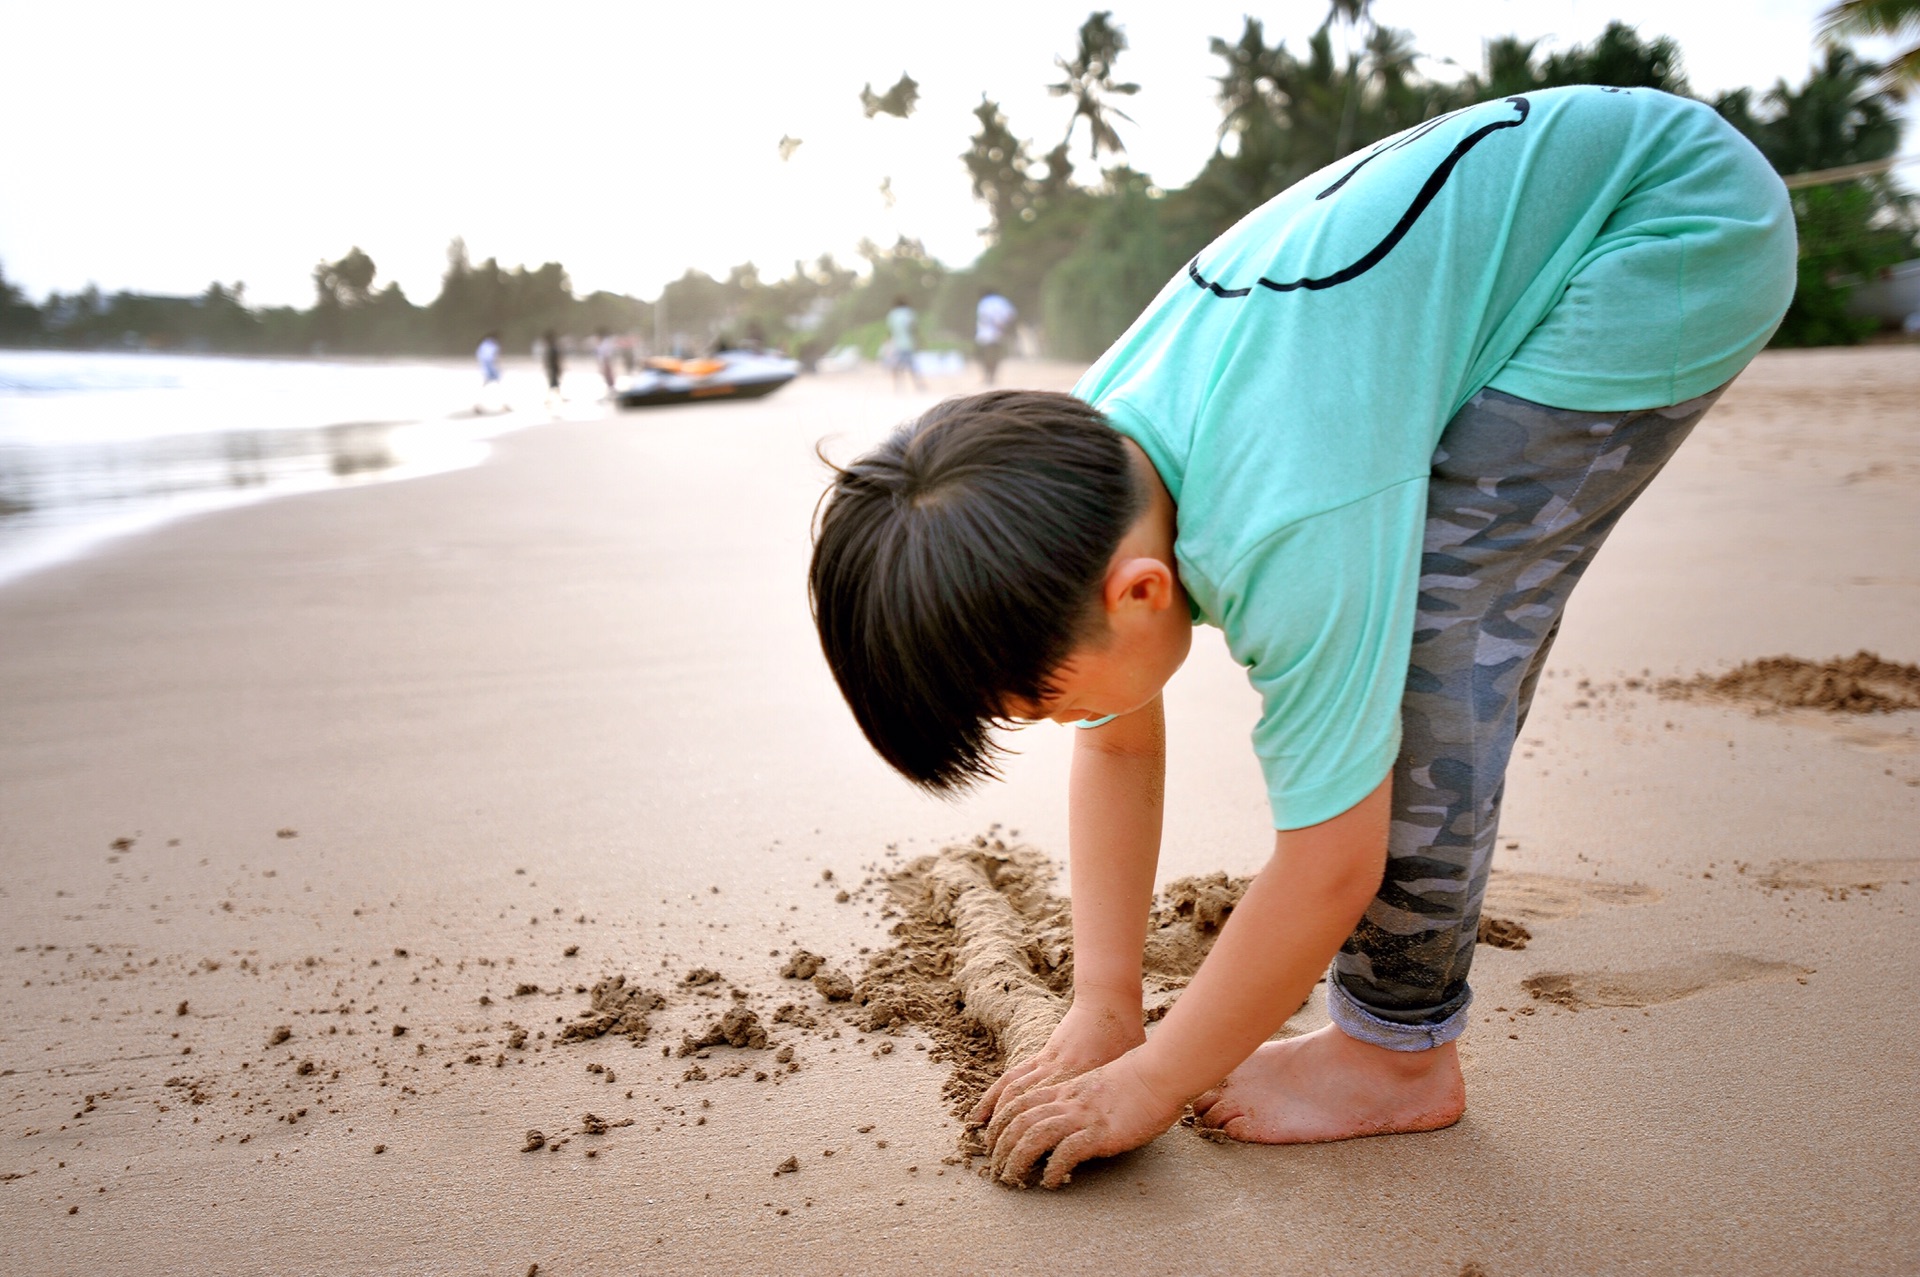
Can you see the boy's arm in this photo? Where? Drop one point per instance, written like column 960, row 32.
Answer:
column 1276, row 945
column 1296, row 913
column 1114, row 802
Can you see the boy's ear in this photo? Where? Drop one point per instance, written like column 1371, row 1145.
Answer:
column 1141, row 582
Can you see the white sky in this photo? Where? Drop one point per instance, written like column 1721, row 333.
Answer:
column 157, row 147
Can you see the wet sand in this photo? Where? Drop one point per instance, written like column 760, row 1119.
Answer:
column 407, row 769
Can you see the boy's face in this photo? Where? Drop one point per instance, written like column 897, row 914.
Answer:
column 1094, row 683
column 1148, row 635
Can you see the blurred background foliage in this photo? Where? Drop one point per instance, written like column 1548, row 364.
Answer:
column 1081, row 250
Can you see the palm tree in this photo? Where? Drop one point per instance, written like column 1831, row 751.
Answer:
column 997, row 161
column 1090, row 82
column 1890, row 18
column 1838, row 117
column 1849, row 229
column 1282, row 117
column 1619, row 57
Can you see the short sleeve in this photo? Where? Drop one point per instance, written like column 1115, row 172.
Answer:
column 1321, row 613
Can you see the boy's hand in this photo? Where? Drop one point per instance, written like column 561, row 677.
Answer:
column 1095, row 1031
column 1097, row 1114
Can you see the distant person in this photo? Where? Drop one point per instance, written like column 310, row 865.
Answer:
column 487, row 353
column 548, row 351
column 993, row 321
column 901, row 322
column 1375, row 433
column 604, row 350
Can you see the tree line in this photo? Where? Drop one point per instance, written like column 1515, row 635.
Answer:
column 1080, row 250
column 349, row 315
column 1085, row 259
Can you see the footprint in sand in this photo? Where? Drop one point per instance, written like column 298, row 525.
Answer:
column 1532, row 897
column 1871, row 739
column 1837, row 878
column 1579, row 991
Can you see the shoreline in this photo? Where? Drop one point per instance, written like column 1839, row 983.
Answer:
column 105, row 445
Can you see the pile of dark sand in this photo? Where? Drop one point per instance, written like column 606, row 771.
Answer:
column 1858, row 684
column 616, row 1007
column 738, row 1026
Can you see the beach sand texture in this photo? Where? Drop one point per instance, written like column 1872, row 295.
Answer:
column 322, row 819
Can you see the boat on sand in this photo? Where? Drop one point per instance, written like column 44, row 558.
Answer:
column 734, row 374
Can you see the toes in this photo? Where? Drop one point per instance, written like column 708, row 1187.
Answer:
column 1218, row 1114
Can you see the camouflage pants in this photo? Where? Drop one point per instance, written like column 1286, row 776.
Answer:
column 1520, row 499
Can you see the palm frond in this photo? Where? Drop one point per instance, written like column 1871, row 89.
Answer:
column 1869, row 18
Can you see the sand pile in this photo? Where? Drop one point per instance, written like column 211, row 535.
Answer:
column 616, row 1007
column 918, row 979
column 982, row 960
column 1858, row 684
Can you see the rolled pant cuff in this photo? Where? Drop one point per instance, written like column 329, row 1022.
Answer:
column 1363, row 1025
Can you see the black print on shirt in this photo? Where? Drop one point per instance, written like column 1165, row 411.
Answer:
column 1374, row 256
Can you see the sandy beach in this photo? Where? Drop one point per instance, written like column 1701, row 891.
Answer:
column 321, row 818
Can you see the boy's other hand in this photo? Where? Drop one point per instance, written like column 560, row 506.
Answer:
column 1096, row 1030
column 1097, row 1114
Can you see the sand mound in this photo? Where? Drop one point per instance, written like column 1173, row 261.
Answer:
column 1503, row 933
column 616, row 1007
column 982, row 961
column 736, row 1027
column 1020, row 960
column 1858, row 684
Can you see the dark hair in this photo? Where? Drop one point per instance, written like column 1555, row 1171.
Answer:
column 957, row 565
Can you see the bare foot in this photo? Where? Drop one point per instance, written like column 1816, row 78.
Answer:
column 1328, row 1086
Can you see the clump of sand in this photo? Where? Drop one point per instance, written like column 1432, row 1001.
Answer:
column 738, row 1026
column 1857, row 684
column 802, row 965
column 617, row 1007
column 1503, row 933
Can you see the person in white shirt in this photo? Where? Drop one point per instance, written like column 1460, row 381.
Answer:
column 993, row 322
column 604, row 349
column 901, row 322
column 488, row 355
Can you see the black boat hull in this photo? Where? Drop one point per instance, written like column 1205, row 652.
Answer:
column 664, row 397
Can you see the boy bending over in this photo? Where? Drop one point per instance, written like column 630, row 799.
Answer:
column 1376, row 432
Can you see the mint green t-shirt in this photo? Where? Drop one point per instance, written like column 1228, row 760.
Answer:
column 1585, row 248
